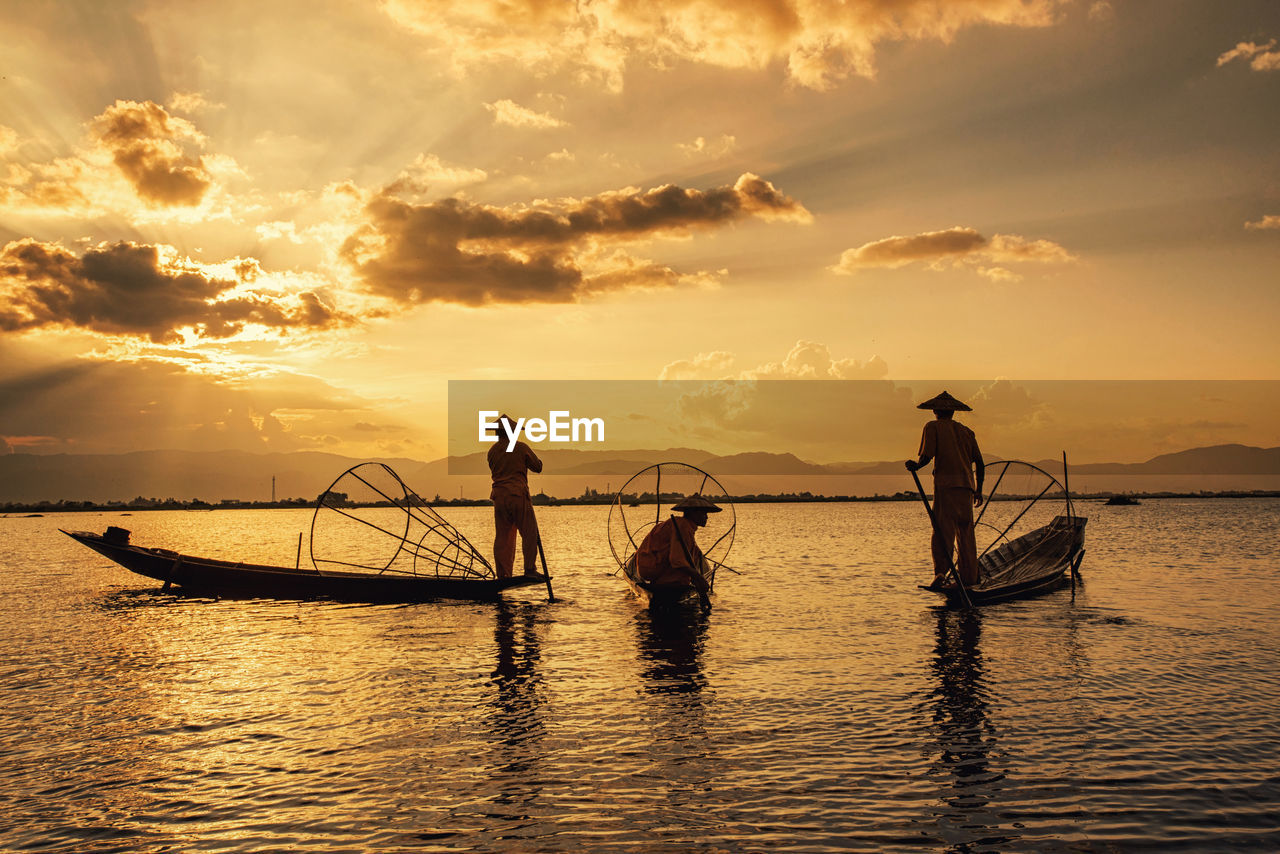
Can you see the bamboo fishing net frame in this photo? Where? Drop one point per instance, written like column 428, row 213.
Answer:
column 442, row 551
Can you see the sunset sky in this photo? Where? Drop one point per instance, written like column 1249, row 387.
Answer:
column 282, row 225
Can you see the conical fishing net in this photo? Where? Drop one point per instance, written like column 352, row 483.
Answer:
column 370, row 521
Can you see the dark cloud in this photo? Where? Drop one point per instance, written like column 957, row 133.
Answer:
column 150, row 148
column 128, row 288
column 457, row 251
column 94, row 406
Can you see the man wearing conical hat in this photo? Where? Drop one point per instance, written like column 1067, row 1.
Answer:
column 512, row 506
column 957, row 486
column 668, row 554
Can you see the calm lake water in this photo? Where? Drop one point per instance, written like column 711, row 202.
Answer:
column 825, row 703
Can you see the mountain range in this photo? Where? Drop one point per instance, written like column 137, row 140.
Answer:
column 216, row 475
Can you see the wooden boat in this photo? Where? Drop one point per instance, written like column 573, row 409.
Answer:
column 662, row 595
column 373, row 539
column 1121, row 501
column 1034, row 563
column 1034, row 539
column 227, row 578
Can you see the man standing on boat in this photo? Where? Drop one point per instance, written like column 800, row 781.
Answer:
column 668, row 553
column 512, row 506
column 957, row 487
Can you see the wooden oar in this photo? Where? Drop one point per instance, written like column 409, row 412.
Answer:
column 951, row 566
column 551, row 597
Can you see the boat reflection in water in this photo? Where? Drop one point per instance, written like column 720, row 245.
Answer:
column 966, row 737
column 679, row 753
column 670, row 642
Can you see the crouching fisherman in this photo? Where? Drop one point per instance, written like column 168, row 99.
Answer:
column 670, row 556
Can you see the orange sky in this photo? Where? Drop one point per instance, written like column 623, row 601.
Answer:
column 282, row 225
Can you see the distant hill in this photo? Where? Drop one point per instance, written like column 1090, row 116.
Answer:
column 1217, row 459
column 216, row 475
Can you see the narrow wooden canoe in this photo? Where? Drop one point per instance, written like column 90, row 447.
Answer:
column 660, row 595
column 220, row 577
column 1035, row 563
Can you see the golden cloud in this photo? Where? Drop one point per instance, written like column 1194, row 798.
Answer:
column 818, row 41
column 143, row 290
column 959, row 245
column 457, row 251
column 1261, row 57
column 506, row 112
column 1268, row 222
column 138, row 162
column 151, row 149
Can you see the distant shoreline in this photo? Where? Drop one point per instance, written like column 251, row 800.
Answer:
column 542, row 500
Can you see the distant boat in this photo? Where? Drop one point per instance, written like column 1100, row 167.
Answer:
column 1121, row 501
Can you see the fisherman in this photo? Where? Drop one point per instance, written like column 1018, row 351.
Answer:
column 669, row 555
column 512, row 507
column 956, row 491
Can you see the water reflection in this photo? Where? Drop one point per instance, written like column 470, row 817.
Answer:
column 965, row 736
column 517, row 682
column 670, row 641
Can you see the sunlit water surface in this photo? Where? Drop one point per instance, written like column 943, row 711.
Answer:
column 825, row 703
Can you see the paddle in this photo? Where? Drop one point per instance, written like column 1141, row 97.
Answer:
column 951, row 567
column 551, row 597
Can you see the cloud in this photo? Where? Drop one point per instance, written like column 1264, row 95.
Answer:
column 143, row 290
column 192, row 102
column 714, row 148
column 1101, row 10
column 713, row 365
column 136, row 161
column 1261, row 57
column 809, row 360
column 513, row 115
column 1270, row 221
column 91, row 405
column 958, row 245
column 818, row 42
column 808, row 404
column 427, row 171
column 152, row 149
column 453, row 250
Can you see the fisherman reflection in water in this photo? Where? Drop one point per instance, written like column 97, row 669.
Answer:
column 956, row 491
column 512, row 507
column 669, row 555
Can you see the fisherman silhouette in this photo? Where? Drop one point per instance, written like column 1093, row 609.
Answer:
column 953, row 448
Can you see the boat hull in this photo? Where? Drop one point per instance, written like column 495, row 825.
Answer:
column 227, row 578
column 658, row 595
column 1038, row 562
